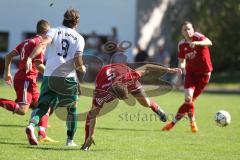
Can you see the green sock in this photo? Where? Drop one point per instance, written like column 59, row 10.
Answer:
column 71, row 122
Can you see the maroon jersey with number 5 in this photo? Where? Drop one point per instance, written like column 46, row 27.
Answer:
column 24, row 49
column 110, row 74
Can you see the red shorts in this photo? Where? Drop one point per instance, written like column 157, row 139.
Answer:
column 197, row 82
column 26, row 91
column 101, row 96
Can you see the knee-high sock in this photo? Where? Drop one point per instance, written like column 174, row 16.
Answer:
column 71, row 122
column 191, row 112
column 87, row 126
column 181, row 112
column 9, row 105
column 154, row 106
column 43, row 125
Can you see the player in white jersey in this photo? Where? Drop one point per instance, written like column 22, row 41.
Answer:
column 59, row 86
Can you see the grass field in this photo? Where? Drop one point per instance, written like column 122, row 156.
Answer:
column 131, row 133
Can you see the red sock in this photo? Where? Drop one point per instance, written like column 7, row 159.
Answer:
column 154, row 106
column 87, row 127
column 43, row 125
column 9, row 105
column 181, row 111
column 191, row 112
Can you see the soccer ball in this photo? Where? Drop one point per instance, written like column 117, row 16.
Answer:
column 222, row 118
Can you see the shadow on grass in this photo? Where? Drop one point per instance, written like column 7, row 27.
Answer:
column 13, row 143
column 127, row 129
column 65, row 149
column 12, row 125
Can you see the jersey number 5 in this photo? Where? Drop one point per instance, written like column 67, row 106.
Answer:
column 65, row 47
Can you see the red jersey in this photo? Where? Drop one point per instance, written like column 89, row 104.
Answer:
column 110, row 74
column 24, row 49
column 198, row 58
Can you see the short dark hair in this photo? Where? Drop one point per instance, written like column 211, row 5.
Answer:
column 71, row 18
column 119, row 90
column 42, row 26
column 186, row 22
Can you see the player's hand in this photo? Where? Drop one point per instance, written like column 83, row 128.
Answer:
column 175, row 70
column 86, row 146
column 82, row 68
column 8, row 78
column 28, row 64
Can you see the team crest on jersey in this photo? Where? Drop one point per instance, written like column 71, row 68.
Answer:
column 191, row 55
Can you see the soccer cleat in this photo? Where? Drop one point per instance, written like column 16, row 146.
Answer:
column 168, row 126
column 84, row 148
column 46, row 139
column 70, row 143
column 161, row 115
column 193, row 126
column 87, row 147
column 31, row 136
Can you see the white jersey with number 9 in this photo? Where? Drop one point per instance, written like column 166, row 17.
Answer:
column 60, row 53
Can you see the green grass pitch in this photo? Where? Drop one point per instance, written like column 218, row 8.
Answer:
column 131, row 133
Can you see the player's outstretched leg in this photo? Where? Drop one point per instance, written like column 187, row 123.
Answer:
column 158, row 110
column 181, row 112
column 9, row 105
column 147, row 102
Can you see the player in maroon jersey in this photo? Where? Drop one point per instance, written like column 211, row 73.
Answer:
column 194, row 58
column 116, row 81
column 25, row 84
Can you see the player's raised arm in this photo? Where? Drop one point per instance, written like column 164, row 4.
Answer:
column 204, row 42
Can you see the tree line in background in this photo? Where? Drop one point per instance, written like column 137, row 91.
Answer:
column 217, row 19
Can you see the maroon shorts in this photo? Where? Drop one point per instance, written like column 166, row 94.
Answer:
column 26, row 91
column 197, row 82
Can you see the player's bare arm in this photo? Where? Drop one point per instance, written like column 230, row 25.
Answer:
column 8, row 60
column 152, row 67
column 181, row 63
column 40, row 67
column 205, row 42
column 78, row 62
column 36, row 51
column 93, row 119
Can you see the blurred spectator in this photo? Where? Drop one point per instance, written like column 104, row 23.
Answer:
column 93, row 41
column 141, row 56
column 114, row 36
column 162, row 56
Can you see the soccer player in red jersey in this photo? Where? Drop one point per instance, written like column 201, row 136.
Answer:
column 116, row 81
column 25, row 84
column 194, row 58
